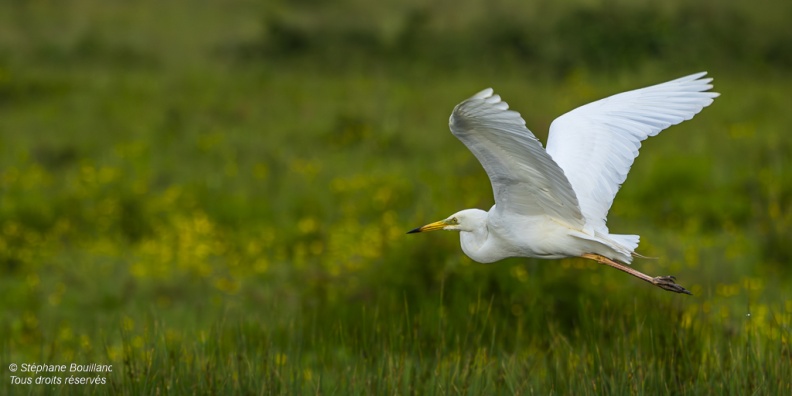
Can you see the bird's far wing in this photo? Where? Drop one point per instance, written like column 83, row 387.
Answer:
column 597, row 143
column 525, row 180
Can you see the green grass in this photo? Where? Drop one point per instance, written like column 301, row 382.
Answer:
column 213, row 199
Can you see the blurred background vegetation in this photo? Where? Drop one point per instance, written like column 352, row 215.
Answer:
column 213, row 196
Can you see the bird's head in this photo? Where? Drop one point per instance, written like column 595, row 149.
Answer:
column 465, row 220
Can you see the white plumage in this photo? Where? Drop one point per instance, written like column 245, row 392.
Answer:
column 554, row 203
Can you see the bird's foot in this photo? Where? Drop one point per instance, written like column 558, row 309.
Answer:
column 668, row 283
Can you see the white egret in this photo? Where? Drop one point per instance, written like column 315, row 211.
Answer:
column 554, row 203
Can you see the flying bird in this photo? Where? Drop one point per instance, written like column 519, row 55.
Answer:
column 553, row 203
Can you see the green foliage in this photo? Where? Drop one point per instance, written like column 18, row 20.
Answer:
column 601, row 36
column 215, row 200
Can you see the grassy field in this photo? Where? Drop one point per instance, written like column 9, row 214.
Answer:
column 212, row 197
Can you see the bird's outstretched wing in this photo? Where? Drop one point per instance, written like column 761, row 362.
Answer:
column 597, row 143
column 525, row 179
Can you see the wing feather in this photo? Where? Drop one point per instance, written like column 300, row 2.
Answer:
column 596, row 144
column 525, row 179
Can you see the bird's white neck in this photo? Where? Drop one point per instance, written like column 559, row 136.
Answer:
column 473, row 237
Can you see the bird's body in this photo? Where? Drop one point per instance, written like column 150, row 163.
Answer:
column 553, row 203
column 539, row 236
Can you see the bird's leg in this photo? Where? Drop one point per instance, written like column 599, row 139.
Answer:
column 663, row 282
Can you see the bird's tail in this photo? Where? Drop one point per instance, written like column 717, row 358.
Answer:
column 626, row 245
column 628, row 242
column 621, row 247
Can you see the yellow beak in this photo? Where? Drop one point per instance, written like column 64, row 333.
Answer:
column 437, row 225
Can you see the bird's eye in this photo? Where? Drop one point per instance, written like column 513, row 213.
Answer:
column 454, row 221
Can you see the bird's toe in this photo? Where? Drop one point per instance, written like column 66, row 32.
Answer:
column 668, row 283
